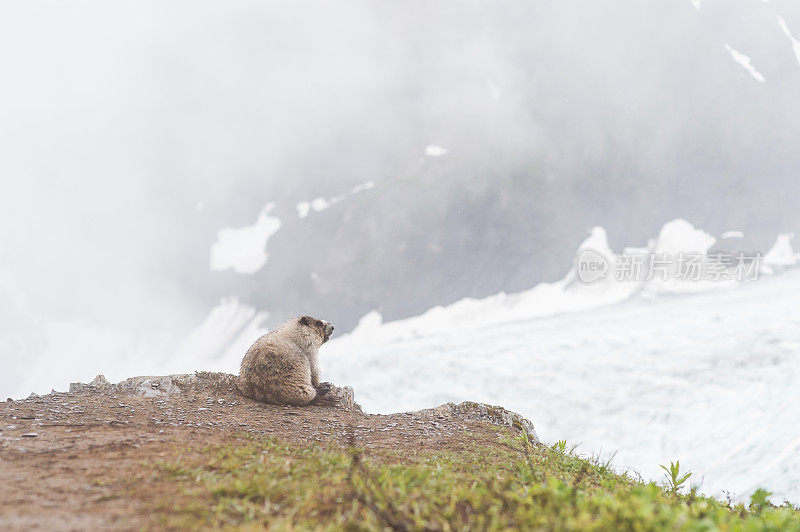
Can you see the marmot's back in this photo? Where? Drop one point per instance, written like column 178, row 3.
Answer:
column 281, row 367
column 270, row 369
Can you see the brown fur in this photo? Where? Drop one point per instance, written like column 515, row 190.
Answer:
column 282, row 367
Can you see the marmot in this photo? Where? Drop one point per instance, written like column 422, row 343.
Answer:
column 282, row 366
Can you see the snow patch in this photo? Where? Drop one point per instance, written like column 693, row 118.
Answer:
column 362, row 187
column 680, row 236
column 432, row 150
column 696, row 4
column 795, row 42
column 733, row 234
column 781, row 253
column 225, row 335
column 244, row 249
column 304, row 208
column 745, row 62
column 320, row 204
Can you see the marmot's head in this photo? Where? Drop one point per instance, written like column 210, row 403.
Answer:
column 323, row 328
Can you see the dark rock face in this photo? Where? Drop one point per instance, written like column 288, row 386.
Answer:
column 626, row 117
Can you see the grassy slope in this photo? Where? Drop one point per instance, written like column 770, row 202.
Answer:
column 268, row 483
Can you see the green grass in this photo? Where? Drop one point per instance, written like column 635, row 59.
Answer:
column 267, row 483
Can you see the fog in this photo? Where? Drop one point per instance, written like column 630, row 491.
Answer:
column 132, row 132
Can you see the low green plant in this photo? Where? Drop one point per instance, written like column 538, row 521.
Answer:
column 560, row 446
column 759, row 500
column 675, row 480
column 515, row 485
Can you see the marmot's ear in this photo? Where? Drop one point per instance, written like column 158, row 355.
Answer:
column 305, row 320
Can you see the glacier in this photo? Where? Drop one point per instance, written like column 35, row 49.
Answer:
column 650, row 375
column 710, row 379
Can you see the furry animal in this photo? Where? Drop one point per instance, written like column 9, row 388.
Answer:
column 282, row 367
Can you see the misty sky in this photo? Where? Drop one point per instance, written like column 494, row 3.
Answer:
column 130, row 132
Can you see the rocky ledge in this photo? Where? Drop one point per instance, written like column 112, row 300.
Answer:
column 88, row 444
column 206, row 401
column 170, row 385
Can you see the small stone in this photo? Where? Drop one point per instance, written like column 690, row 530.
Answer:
column 100, row 382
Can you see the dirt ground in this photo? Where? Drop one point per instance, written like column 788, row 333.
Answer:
column 68, row 460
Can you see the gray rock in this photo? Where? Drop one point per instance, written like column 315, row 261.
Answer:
column 166, row 385
column 346, row 396
column 152, row 386
column 156, row 386
column 495, row 415
column 100, row 382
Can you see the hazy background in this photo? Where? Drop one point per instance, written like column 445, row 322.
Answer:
column 132, row 132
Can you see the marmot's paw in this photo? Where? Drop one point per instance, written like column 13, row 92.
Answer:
column 323, row 388
column 324, row 396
